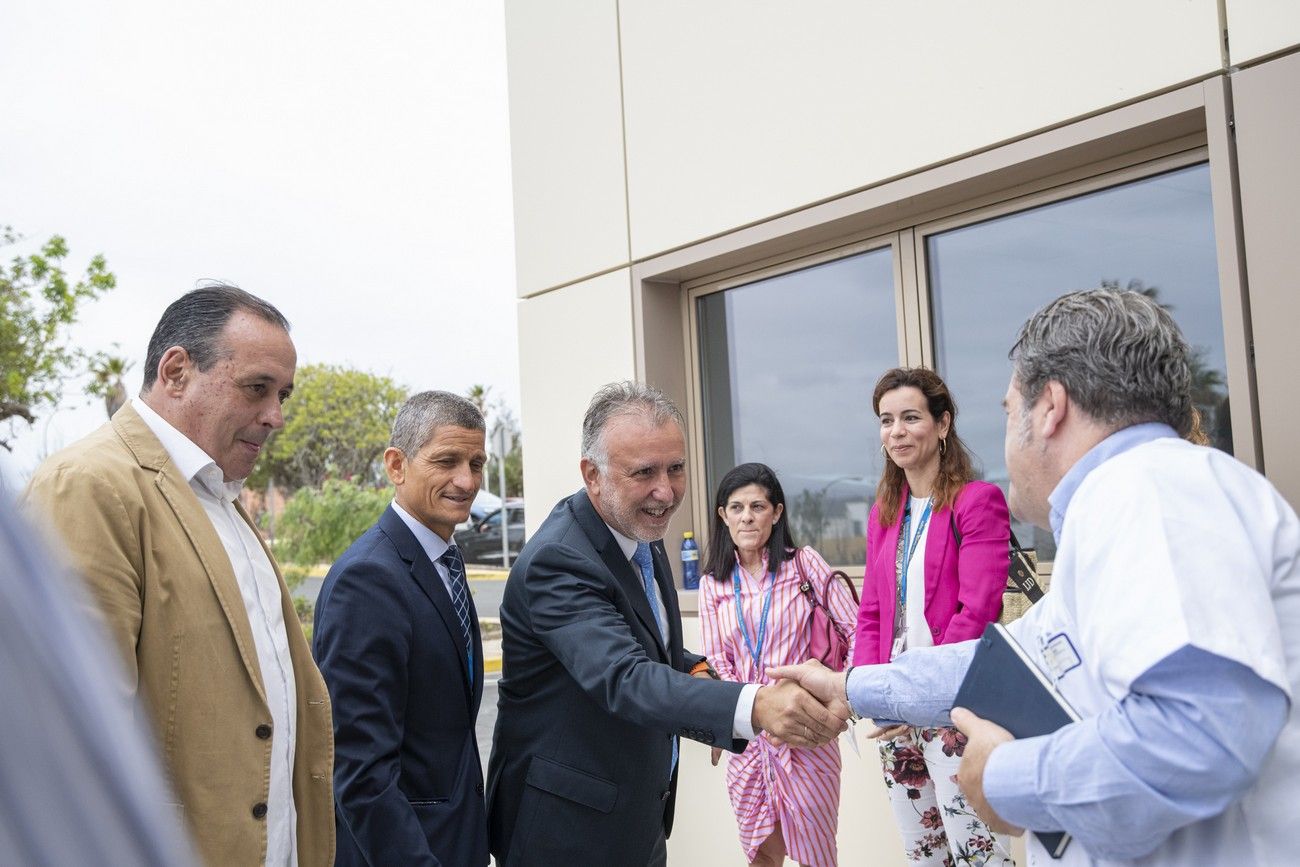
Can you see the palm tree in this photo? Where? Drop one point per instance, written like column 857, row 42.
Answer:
column 108, row 371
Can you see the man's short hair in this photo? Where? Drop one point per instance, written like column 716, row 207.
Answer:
column 619, row 399
column 195, row 321
column 425, row 412
column 1118, row 354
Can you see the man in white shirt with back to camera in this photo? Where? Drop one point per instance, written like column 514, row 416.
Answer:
column 1172, row 625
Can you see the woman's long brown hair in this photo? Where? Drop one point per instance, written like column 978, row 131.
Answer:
column 955, row 468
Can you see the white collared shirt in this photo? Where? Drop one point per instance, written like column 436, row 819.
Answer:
column 433, row 544
column 260, row 589
column 742, row 722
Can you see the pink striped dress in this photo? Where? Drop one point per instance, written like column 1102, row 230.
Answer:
column 770, row 785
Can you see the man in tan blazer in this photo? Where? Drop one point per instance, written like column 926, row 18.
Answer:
column 147, row 508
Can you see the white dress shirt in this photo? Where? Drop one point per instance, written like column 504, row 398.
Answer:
column 260, row 589
column 742, row 722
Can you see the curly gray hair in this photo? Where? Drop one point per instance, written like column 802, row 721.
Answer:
column 1119, row 355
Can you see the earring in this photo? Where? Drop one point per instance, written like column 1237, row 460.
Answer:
column 943, row 446
column 883, row 453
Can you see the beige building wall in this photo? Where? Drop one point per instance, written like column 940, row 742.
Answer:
column 736, row 111
column 566, row 129
column 1266, row 101
column 1257, row 28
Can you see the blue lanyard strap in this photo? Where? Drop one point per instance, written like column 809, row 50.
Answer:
column 755, row 653
column 906, row 550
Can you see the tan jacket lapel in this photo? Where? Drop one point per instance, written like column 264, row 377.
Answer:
column 198, row 527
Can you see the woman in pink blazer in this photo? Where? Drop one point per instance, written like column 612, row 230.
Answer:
column 937, row 556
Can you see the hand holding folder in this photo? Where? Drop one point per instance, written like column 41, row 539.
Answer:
column 1004, row 686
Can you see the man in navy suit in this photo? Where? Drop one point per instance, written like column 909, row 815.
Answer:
column 596, row 688
column 397, row 639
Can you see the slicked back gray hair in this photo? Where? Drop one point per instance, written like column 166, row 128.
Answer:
column 195, row 321
column 1119, row 355
column 619, row 399
column 425, row 412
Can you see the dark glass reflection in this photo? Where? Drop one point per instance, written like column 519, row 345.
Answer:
column 1155, row 236
column 788, row 364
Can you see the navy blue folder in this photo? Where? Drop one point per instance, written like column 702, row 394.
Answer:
column 1003, row 685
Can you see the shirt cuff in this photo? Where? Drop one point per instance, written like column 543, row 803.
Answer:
column 1011, row 784
column 742, row 724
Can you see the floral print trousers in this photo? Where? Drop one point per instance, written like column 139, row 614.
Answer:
column 937, row 825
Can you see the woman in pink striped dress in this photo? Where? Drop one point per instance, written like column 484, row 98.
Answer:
column 753, row 618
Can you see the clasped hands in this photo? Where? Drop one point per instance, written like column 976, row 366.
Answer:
column 828, row 689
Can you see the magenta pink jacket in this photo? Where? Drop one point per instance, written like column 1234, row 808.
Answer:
column 963, row 585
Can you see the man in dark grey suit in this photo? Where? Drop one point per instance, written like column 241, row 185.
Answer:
column 596, row 688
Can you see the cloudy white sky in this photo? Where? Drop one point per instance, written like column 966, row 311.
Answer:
column 349, row 162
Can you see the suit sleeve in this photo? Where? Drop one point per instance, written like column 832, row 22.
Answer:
column 94, row 526
column 982, row 560
column 573, row 613
column 362, row 639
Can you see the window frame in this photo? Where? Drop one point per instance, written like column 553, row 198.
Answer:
column 701, row 498
column 1144, row 137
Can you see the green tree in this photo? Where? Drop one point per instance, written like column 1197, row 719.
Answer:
column 497, row 414
column 318, row 524
column 107, row 372
column 38, row 302
column 336, row 425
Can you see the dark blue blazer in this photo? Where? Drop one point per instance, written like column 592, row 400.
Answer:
column 589, row 700
column 408, row 781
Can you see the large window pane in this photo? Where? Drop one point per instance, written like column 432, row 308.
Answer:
column 787, row 367
column 1155, row 235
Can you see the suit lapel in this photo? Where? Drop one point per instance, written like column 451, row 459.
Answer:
column 151, row 455
column 619, row 566
column 426, row 576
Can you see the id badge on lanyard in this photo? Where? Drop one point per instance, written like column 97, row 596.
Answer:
column 902, row 562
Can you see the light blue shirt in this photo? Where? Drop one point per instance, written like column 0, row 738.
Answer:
column 1190, row 737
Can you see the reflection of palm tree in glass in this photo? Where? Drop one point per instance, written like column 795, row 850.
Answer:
column 1209, row 393
column 811, row 515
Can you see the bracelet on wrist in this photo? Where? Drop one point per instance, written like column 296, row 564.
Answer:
column 853, row 714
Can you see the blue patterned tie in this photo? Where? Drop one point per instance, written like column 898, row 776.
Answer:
column 460, row 600
column 644, row 561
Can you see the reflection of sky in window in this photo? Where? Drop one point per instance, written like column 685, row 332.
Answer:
column 986, row 279
column 803, row 352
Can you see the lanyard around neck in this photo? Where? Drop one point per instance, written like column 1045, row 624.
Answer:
column 906, row 551
column 755, row 652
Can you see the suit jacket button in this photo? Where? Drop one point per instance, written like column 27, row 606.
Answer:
column 263, row 731
column 259, row 811
column 663, row 796
column 479, row 788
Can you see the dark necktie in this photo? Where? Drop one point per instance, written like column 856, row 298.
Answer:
column 460, row 600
